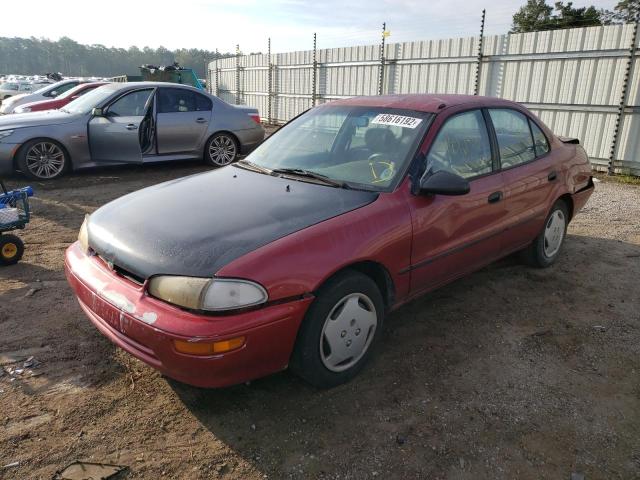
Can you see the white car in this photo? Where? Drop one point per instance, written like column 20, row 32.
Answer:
column 10, row 89
column 45, row 93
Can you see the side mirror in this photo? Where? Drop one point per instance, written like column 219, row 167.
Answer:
column 97, row 112
column 54, row 93
column 444, row 183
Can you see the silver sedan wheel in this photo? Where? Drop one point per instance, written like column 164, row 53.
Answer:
column 45, row 160
column 222, row 150
column 554, row 233
column 347, row 332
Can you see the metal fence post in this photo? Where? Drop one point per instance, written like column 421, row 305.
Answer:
column 217, row 78
column 269, row 82
column 624, row 98
column 314, row 73
column 381, row 74
column 476, row 88
column 207, row 64
column 237, row 74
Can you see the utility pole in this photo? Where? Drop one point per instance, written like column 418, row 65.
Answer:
column 476, row 88
column 624, row 98
column 381, row 72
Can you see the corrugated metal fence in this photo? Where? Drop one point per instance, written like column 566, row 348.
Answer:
column 573, row 79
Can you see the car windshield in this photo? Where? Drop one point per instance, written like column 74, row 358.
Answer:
column 45, row 88
column 361, row 147
column 89, row 101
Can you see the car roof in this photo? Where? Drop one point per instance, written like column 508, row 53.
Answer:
column 118, row 85
column 432, row 103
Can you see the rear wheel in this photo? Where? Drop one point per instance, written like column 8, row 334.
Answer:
column 339, row 331
column 42, row 159
column 545, row 249
column 222, row 149
column 11, row 249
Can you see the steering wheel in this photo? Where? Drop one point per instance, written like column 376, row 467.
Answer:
column 382, row 169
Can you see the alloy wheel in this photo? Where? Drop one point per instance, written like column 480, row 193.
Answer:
column 347, row 332
column 222, row 150
column 45, row 160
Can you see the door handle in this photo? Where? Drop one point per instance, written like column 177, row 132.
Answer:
column 132, row 126
column 201, row 120
column 552, row 176
column 495, row 197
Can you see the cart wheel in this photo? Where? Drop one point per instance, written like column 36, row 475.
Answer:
column 11, row 249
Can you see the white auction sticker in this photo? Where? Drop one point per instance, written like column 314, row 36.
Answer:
column 397, row 120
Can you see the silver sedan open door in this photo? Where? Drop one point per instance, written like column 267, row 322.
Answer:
column 115, row 133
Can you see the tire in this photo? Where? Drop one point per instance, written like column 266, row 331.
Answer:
column 546, row 248
column 329, row 322
column 221, row 150
column 43, row 159
column 11, row 249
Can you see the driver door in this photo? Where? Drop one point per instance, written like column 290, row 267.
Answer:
column 116, row 136
column 454, row 235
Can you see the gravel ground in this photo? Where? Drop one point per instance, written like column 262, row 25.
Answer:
column 509, row 373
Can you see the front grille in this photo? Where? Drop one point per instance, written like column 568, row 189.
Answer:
column 122, row 272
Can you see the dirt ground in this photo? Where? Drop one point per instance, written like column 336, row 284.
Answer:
column 510, row 373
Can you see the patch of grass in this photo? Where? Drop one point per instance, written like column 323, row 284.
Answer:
column 619, row 178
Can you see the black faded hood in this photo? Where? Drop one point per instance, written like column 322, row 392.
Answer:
column 196, row 225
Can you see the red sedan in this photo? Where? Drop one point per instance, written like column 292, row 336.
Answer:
column 293, row 256
column 60, row 101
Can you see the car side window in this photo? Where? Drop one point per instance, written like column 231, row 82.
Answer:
column 462, row 146
column 63, row 88
column 514, row 137
column 180, row 100
column 203, row 104
column 130, row 105
column 539, row 139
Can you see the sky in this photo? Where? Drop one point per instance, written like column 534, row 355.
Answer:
column 221, row 24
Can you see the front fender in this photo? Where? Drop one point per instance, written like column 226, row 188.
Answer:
column 302, row 261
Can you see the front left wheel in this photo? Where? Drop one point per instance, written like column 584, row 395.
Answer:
column 339, row 330
column 42, row 159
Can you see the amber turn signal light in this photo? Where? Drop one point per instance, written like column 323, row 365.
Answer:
column 213, row 348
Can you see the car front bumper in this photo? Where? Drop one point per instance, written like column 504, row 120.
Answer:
column 146, row 327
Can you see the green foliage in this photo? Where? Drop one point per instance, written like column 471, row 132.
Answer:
column 39, row 56
column 536, row 15
column 626, row 11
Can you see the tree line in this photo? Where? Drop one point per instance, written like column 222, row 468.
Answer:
column 537, row 15
column 40, row 56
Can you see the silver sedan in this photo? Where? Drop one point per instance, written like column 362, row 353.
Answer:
column 128, row 123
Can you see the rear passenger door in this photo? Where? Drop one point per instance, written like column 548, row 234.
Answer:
column 453, row 235
column 529, row 174
column 182, row 121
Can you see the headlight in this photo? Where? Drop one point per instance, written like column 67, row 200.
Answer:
column 83, row 235
column 5, row 133
column 216, row 295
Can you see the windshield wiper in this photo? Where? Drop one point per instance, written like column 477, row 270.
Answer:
column 300, row 172
column 253, row 166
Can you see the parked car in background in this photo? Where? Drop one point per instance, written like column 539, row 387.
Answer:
column 12, row 89
column 45, row 93
column 127, row 123
column 61, row 100
column 294, row 255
